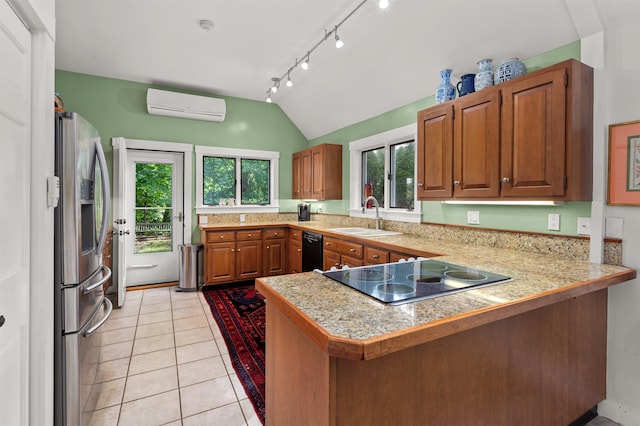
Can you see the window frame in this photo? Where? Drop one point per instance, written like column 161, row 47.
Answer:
column 238, row 154
column 386, row 140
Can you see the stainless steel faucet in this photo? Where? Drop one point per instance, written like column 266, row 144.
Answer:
column 375, row 203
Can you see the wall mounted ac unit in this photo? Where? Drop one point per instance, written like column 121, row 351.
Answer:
column 174, row 104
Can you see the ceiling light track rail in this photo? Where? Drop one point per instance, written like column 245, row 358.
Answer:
column 304, row 61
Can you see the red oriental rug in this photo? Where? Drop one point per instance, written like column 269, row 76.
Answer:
column 240, row 314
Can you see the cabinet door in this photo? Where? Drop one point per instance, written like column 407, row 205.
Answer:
column 375, row 256
column 220, row 262
column 295, row 256
column 305, row 163
column 533, row 136
column 329, row 259
column 351, row 262
column 435, row 152
column 296, row 178
column 248, row 260
column 476, row 145
column 317, row 173
column 274, row 257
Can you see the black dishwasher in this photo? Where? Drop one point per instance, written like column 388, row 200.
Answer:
column 311, row 251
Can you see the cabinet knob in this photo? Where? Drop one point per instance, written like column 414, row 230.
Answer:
column 249, row 235
column 222, row 237
column 456, row 182
column 420, row 185
column 295, row 235
column 232, row 250
column 299, row 250
column 267, row 247
column 238, row 250
column 505, row 179
column 327, row 244
column 375, row 256
column 352, row 250
column 275, row 234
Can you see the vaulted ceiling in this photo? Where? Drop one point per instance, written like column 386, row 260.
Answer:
column 391, row 57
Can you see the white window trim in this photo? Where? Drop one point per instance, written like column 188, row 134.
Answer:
column 384, row 139
column 207, row 151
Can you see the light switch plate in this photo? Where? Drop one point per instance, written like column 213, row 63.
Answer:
column 242, row 218
column 203, row 219
column 473, row 217
column 554, row 222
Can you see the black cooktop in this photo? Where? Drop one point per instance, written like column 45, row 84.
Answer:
column 404, row 282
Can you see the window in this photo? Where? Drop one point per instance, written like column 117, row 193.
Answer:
column 233, row 180
column 383, row 165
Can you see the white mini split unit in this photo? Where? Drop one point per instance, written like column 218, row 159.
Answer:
column 174, row 104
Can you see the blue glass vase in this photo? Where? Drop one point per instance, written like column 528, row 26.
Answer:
column 446, row 91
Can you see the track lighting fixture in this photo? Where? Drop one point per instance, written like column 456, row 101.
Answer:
column 304, row 62
column 339, row 43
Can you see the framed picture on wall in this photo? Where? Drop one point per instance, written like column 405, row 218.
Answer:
column 624, row 164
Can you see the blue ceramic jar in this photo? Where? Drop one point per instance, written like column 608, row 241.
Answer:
column 508, row 69
column 484, row 78
column 446, row 91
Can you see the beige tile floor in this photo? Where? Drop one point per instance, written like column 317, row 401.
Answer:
column 163, row 361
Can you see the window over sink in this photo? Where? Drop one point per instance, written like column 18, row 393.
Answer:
column 383, row 165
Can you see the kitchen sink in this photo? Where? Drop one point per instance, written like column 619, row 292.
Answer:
column 364, row 232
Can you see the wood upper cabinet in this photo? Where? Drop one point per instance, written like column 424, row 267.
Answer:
column 476, row 145
column 528, row 138
column 317, row 173
column 296, row 179
column 435, row 152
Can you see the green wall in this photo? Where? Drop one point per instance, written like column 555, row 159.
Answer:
column 521, row 218
column 119, row 108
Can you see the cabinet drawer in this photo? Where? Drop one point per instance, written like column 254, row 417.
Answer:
column 295, row 234
column 351, row 262
column 375, row 255
column 216, row 237
column 272, row 233
column 254, row 234
column 343, row 247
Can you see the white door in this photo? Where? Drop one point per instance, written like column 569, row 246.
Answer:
column 15, row 110
column 155, row 216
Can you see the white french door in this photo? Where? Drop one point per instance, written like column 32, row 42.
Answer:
column 155, row 214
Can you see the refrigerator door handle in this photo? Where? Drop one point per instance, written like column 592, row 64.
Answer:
column 106, row 193
column 106, row 274
column 93, row 329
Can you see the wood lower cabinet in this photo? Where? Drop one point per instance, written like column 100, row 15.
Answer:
column 232, row 256
column 375, row 256
column 274, row 252
column 339, row 253
column 295, row 251
column 528, row 138
column 317, row 173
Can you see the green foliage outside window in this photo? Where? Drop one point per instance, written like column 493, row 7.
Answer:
column 255, row 182
column 373, row 172
column 153, row 192
column 401, row 185
column 219, row 179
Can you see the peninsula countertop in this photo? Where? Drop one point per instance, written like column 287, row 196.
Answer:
column 348, row 324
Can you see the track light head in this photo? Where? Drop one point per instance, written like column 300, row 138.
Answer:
column 289, row 82
column 305, row 63
column 276, row 84
column 383, row 4
column 339, row 43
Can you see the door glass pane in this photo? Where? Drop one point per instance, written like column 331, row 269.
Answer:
column 154, row 211
column 373, row 175
column 218, row 179
column 255, row 181
column 402, row 172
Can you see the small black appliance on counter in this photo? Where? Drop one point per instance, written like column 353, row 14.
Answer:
column 304, row 212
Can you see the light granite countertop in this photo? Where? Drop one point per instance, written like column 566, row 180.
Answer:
column 345, row 314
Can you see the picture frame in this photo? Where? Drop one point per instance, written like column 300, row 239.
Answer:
column 624, row 164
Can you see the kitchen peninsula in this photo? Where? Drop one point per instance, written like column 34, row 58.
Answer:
column 528, row 351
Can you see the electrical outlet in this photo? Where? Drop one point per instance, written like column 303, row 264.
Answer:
column 319, row 210
column 242, row 218
column 473, row 217
column 554, row 222
column 203, row 219
column 584, row 226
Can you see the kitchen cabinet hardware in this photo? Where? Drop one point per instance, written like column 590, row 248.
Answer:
column 505, row 179
column 420, row 184
column 456, row 182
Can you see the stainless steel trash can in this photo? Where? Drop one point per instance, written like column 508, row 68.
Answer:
column 190, row 267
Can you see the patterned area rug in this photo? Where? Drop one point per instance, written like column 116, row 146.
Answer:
column 239, row 311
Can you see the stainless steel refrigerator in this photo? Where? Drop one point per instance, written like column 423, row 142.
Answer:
column 79, row 238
